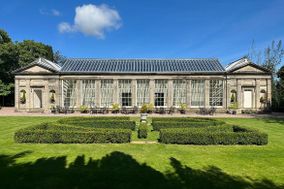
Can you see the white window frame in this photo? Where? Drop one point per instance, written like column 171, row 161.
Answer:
column 161, row 86
column 143, row 92
column 88, row 92
column 197, row 90
column 66, row 91
column 106, row 92
column 216, row 92
column 125, row 86
column 179, row 92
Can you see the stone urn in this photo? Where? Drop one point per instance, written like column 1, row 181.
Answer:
column 143, row 117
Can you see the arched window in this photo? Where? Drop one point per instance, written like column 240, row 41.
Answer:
column 23, row 96
column 233, row 96
column 262, row 96
column 52, row 96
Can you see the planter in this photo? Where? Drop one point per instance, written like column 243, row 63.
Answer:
column 143, row 117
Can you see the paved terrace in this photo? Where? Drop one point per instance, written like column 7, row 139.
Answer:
column 10, row 111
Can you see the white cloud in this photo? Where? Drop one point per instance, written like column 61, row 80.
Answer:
column 65, row 27
column 55, row 12
column 52, row 12
column 92, row 20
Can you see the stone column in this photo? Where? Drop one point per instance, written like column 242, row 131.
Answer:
column 170, row 93
column 17, row 94
column 269, row 91
column 228, row 94
column 78, row 94
column 152, row 91
column 225, row 94
column 115, row 97
column 188, row 95
column 134, row 92
column 239, row 93
column 98, row 93
column 28, row 95
column 257, row 94
column 207, row 88
column 45, row 96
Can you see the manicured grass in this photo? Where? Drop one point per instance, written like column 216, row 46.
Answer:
column 140, row 165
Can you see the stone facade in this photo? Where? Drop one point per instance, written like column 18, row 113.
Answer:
column 39, row 83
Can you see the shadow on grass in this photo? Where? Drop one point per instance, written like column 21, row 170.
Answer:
column 115, row 170
column 273, row 120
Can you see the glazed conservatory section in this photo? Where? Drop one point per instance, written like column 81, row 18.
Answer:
column 132, row 92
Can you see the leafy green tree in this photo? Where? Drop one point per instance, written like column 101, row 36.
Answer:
column 9, row 58
column 58, row 57
column 5, row 90
column 30, row 50
column 270, row 58
column 4, row 37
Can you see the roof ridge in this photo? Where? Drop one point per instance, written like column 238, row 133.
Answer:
column 72, row 58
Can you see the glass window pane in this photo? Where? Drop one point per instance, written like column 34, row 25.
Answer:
column 69, row 93
column 125, row 92
column 179, row 87
column 143, row 92
column 197, row 93
column 216, row 93
column 88, row 92
column 106, row 92
column 161, row 92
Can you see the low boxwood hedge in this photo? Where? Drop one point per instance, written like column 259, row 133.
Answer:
column 143, row 130
column 99, row 123
column 186, row 119
column 213, row 135
column 93, row 118
column 157, row 125
column 52, row 133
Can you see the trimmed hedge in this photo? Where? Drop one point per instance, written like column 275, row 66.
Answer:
column 99, row 123
column 52, row 133
column 143, row 130
column 186, row 119
column 157, row 125
column 213, row 135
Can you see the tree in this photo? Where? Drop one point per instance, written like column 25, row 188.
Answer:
column 30, row 50
column 270, row 58
column 5, row 90
column 9, row 58
column 58, row 57
column 4, row 37
column 15, row 55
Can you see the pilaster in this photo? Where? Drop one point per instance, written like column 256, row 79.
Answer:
column 152, row 91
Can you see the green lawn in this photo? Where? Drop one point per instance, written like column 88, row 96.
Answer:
column 141, row 165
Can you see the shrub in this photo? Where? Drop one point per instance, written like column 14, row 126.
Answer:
column 142, row 130
column 97, row 123
column 157, row 125
column 47, row 133
column 83, row 109
column 93, row 119
column 226, row 135
column 144, row 108
column 185, row 119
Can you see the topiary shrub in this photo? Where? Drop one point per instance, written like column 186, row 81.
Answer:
column 52, row 133
column 143, row 130
column 225, row 135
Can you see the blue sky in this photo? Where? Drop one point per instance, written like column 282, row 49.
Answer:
column 221, row 29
